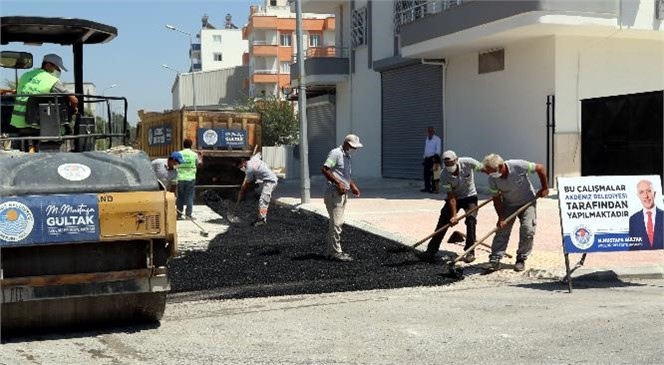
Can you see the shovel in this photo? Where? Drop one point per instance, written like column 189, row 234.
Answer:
column 231, row 216
column 465, row 214
column 457, row 272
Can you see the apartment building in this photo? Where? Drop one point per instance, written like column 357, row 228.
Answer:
column 270, row 33
column 217, row 48
column 574, row 85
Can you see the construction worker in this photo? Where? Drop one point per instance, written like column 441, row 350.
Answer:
column 42, row 80
column 166, row 170
column 458, row 181
column 255, row 169
column 511, row 188
column 186, row 189
column 337, row 170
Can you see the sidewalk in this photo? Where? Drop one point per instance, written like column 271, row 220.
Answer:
column 397, row 210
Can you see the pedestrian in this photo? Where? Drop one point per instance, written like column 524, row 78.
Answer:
column 458, row 181
column 186, row 189
column 437, row 170
column 255, row 169
column 432, row 147
column 337, row 171
column 166, row 170
column 511, row 188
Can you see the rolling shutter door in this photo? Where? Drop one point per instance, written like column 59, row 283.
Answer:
column 412, row 99
column 321, row 130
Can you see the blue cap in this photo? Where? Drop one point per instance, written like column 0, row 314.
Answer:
column 177, row 157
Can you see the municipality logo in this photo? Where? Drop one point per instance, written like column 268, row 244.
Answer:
column 210, row 137
column 582, row 237
column 16, row 221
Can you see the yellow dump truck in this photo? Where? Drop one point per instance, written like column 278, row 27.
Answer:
column 221, row 137
column 85, row 235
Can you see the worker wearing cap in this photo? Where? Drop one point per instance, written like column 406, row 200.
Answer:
column 256, row 169
column 337, row 171
column 166, row 170
column 511, row 188
column 42, row 80
column 458, row 181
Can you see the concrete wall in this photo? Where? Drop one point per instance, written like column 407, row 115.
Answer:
column 597, row 67
column 501, row 112
column 359, row 99
column 231, row 47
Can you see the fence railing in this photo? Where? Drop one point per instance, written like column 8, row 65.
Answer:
column 324, row 52
column 408, row 11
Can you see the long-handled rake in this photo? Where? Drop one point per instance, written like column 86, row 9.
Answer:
column 202, row 231
column 464, row 215
column 456, row 272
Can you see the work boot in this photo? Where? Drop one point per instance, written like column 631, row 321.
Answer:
column 340, row 256
column 494, row 262
column 470, row 257
column 425, row 256
column 520, row 264
column 259, row 222
column 180, row 217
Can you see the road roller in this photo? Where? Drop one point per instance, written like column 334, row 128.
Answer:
column 86, row 229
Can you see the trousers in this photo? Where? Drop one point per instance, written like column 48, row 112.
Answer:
column 336, row 205
column 444, row 218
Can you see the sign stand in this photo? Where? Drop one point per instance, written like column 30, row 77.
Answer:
column 568, row 277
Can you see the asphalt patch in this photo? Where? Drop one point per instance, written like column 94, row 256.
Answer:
column 286, row 257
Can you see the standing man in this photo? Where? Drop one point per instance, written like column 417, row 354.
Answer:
column 337, row 171
column 647, row 223
column 187, row 179
column 511, row 188
column 42, row 80
column 255, row 169
column 166, row 170
column 432, row 147
column 458, row 180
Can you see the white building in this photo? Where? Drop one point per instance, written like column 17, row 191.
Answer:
column 574, row 85
column 218, row 48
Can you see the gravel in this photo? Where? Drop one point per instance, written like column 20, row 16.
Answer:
column 286, row 257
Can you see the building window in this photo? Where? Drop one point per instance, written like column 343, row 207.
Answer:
column 216, row 38
column 314, row 40
column 358, row 31
column 217, row 57
column 285, row 68
column 285, row 40
column 491, row 61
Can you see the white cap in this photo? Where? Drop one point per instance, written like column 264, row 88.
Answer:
column 353, row 141
column 56, row 60
column 449, row 155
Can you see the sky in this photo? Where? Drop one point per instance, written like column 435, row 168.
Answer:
column 132, row 60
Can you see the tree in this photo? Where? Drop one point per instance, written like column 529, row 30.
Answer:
column 280, row 126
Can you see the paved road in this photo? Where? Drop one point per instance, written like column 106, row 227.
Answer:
column 480, row 320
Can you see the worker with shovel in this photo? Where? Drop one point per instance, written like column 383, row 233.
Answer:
column 457, row 179
column 255, row 169
column 512, row 189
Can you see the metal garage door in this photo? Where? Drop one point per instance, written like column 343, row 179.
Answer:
column 622, row 135
column 321, row 130
column 412, row 100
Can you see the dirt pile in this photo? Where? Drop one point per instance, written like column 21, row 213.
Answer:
column 286, row 256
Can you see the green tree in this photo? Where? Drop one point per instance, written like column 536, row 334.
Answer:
column 280, row 126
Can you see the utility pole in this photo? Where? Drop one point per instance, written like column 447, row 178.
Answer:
column 305, row 184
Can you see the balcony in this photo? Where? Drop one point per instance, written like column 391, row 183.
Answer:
column 322, row 66
column 264, row 49
column 441, row 28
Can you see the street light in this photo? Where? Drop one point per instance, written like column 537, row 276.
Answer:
column 191, row 61
column 110, row 87
column 170, row 68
